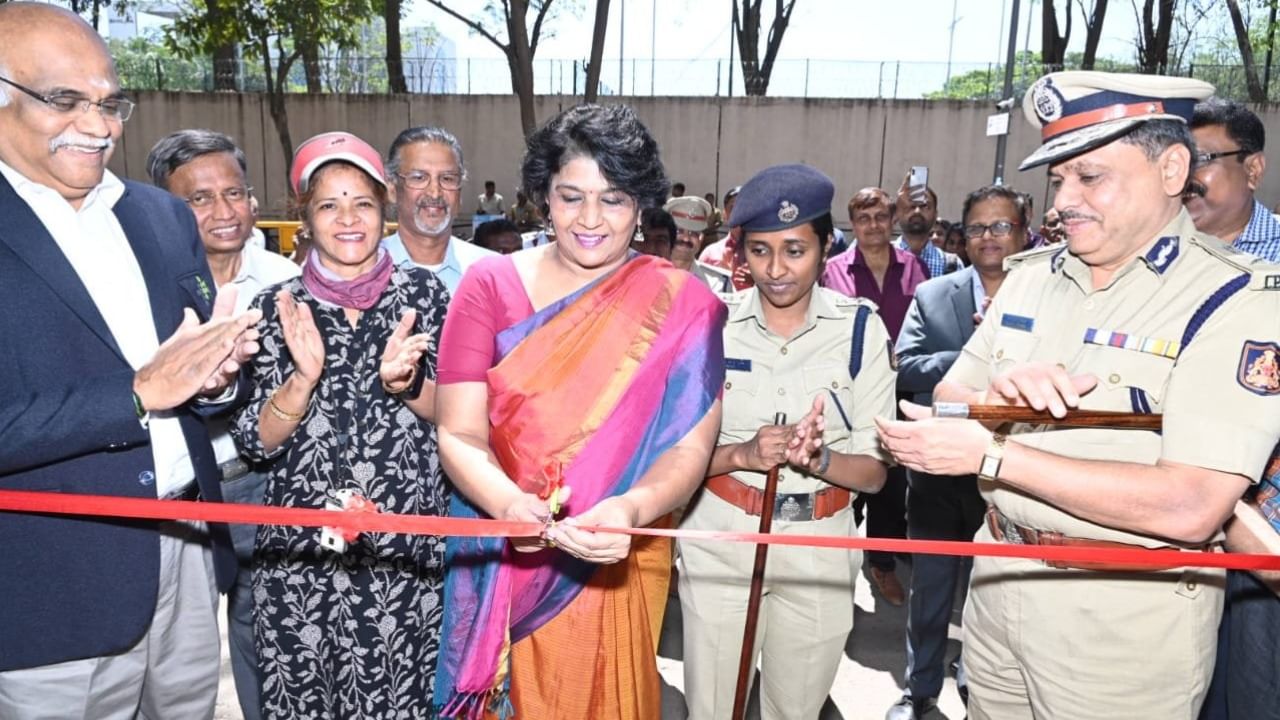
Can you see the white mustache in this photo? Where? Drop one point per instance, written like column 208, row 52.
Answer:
column 74, row 139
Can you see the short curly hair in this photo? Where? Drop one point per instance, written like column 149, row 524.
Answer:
column 611, row 135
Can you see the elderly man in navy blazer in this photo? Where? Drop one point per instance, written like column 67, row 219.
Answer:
column 108, row 369
column 941, row 318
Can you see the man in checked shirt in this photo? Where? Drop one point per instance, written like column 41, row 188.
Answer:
column 1229, row 167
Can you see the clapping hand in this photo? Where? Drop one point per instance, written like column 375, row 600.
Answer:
column 401, row 356
column 301, row 337
column 198, row 358
column 805, row 448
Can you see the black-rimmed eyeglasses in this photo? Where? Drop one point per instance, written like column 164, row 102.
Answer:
column 113, row 108
column 999, row 228
column 1204, row 158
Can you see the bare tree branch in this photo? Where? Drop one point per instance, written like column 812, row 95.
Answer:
column 472, row 23
column 1256, row 93
column 537, row 27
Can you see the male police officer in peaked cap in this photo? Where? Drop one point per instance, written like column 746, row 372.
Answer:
column 1138, row 313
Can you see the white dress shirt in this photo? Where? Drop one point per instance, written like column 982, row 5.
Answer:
column 94, row 243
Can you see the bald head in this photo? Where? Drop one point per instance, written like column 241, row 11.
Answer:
column 51, row 52
column 29, row 31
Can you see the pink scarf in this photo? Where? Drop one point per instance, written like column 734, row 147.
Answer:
column 359, row 293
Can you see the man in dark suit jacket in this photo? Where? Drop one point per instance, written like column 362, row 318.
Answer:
column 107, row 371
column 941, row 318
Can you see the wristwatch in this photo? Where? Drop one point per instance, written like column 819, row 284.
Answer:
column 990, row 467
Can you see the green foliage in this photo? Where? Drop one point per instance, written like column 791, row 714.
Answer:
column 270, row 31
column 988, row 84
column 143, row 63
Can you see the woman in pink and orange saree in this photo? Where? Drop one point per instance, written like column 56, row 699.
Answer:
column 580, row 382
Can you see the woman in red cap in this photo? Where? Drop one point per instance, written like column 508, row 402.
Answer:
column 342, row 405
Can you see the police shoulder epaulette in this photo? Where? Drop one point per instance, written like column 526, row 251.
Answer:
column 846, row 304
column 1226, row 253
column 1027, row 257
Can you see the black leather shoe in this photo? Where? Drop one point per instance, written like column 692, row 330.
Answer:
column 909, row 708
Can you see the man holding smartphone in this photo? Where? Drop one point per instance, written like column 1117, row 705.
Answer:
column 917, row 210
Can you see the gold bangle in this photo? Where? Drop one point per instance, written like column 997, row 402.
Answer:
column 413, row 375
column 282, row 414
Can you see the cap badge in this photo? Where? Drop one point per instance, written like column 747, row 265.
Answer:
column 787, row 211
column 1047, row 100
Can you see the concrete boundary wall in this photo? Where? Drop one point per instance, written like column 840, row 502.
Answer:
column 710, row 144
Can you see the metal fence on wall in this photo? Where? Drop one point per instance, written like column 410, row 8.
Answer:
column 888, row 79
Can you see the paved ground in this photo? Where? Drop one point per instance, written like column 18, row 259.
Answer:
column 868, row 682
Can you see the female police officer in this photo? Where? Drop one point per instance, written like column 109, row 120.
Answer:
column 824, row 360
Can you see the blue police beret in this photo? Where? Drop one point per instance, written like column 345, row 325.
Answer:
column 781, row 197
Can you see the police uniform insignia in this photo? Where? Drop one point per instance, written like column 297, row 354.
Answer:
column 1048, row 100
column 1271, row 282
column 1128, row 341
column 1163, row 253
column 787, row 211
column 789, row 510
column 893, row 357
column 1058, row 259
column 1259, row 370
column 739, row 364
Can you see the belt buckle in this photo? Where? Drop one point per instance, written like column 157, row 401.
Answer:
column 1012, row 534
column 794, row 508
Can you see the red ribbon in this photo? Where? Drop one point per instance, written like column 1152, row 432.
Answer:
column 350, row 521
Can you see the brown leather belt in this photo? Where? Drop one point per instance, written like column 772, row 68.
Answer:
column 1007, row 531
column 787, row 507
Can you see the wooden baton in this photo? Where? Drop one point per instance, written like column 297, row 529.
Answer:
column 1073, row 418
column 746, row 660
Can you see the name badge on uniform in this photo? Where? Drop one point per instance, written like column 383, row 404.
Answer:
column 1017, row 322
column 739, row 364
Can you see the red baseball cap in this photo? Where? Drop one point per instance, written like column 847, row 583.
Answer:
column 330, row 147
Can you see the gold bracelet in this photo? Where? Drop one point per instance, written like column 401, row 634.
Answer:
column 282, row 414
column 413, row 375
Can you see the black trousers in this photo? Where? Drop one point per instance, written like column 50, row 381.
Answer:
column 886, row 513
column 938, row 508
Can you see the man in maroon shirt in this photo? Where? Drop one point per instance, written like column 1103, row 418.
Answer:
column 876, row 270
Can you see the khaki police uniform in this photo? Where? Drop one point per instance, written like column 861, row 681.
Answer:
column 1179, row 331
column 807, row 608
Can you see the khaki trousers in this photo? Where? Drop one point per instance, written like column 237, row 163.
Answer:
column 170, row 673
column 806, row 613
column 1045, row 643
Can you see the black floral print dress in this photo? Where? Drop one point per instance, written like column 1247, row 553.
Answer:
column 353, row 634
